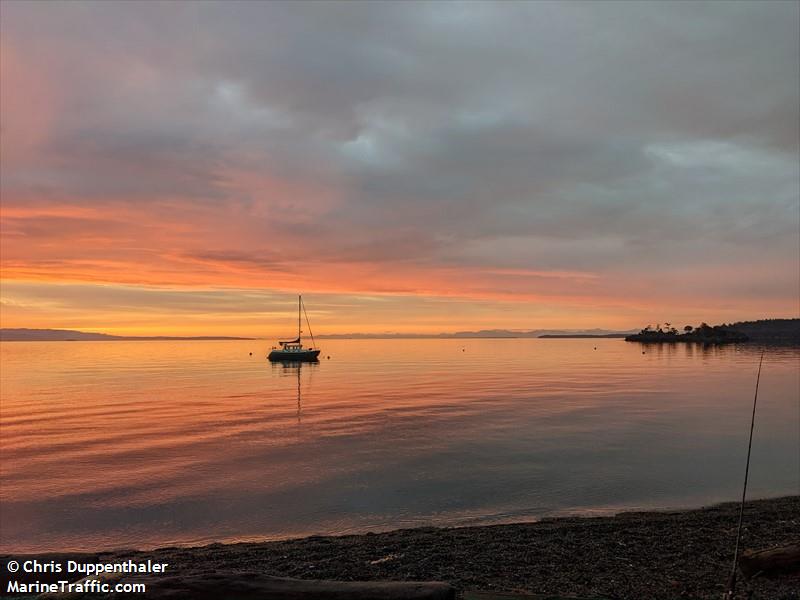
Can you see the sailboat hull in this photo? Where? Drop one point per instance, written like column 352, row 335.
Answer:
column 293, row 356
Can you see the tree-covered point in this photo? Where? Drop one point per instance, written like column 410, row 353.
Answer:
column 783, row 331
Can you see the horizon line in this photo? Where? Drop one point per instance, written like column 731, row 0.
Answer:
column 476, row 333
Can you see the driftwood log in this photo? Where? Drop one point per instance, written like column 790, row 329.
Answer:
column 774, row 560
column 255, row 586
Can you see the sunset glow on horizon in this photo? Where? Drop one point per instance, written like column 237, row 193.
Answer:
column 185, row 168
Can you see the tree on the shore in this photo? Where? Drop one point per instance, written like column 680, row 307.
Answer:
column 703, row 333
column 669, row 329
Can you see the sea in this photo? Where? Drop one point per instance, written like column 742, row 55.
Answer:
column 144, row 444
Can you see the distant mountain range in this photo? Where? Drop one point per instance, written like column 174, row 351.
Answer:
column 487, row 333
column 768, row 330
column 69, row 335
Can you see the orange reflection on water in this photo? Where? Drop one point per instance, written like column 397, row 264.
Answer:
column 109, row 444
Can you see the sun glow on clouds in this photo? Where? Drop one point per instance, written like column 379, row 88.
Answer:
column 159, row 182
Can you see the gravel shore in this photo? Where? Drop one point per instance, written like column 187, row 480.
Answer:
column 636, row 556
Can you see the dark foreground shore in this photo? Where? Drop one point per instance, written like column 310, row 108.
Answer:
column 685, row 554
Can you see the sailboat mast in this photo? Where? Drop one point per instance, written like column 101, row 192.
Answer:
column 299, row 301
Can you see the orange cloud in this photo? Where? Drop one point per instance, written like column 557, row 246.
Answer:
column 146, row 160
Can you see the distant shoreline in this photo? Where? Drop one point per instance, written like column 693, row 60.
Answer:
column 68, row 335
column 765, row 331
column 582, row 336
column 134, row 339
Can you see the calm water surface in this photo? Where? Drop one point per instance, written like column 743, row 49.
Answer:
column 143, row 444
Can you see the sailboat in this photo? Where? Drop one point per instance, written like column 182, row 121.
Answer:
column 293, row 351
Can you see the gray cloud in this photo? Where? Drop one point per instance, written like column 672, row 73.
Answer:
column 541, row 135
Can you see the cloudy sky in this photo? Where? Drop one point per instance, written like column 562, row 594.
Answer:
column 186, row 167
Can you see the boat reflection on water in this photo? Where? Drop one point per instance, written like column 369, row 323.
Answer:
column 293, row 369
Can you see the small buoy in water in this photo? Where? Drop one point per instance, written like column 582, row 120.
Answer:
column 329, row 358
column 642, row 351
column 251, row 354
column 595, row 347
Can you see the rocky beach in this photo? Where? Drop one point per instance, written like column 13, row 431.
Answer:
column 631, row 556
